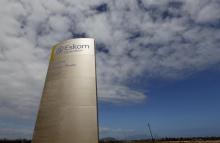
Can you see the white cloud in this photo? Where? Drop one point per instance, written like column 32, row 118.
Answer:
column 120, row 94
column 146, row 39
column 204, row 11
column 210, row 13
column 119, row 133
column 104, row 130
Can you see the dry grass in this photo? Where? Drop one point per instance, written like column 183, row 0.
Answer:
column 196, row 141
column 216, row 141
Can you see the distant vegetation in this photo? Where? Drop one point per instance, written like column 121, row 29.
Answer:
column 112, row 140
column 15, row 141
column 166, row 140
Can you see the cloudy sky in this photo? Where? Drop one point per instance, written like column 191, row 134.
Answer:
column 157, row 62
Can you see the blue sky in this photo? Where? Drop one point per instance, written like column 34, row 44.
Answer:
column 157, row 62
column 187, row 107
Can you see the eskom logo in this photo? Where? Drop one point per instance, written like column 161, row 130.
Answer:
column 71, row 48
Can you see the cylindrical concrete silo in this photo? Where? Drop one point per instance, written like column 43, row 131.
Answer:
column 68, row 108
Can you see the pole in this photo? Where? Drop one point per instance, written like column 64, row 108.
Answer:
column 151, row 133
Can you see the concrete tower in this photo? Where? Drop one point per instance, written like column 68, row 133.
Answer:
column 68, row 108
